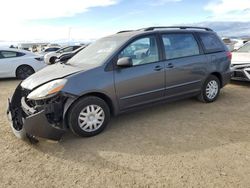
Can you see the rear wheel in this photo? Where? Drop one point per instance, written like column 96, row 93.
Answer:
column 210, row 90
column 88, row 116
column 24, row 71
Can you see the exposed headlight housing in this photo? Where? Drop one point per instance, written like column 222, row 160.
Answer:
column 47, row 90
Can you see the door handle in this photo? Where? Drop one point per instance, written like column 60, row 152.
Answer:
column 158, row 68
column 170, row 66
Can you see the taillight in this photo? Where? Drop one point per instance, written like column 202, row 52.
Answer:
column 229, row 55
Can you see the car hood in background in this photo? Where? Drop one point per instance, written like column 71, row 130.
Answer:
column 240, row 58
column 49, row 73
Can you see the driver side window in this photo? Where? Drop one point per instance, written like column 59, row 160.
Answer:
column 142, row 51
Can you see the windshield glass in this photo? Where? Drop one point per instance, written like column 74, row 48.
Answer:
column 245, row 48
column 97, row 52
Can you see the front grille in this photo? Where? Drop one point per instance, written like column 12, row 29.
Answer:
column 239, row 74
column 240, row 68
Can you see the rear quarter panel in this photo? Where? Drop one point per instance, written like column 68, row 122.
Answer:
column 218, row 62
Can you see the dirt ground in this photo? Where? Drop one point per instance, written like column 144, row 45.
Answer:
column 181, row 144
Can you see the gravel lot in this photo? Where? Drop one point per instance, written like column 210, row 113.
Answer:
column 181, row 144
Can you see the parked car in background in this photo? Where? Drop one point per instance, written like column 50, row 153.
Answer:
column 50, row 58
column 50, row 49
column 241, row 63
column 19, row 63
column 64, row 57
column 229, row 43
column 233, row 44
column 239, row 43
column 117, row 74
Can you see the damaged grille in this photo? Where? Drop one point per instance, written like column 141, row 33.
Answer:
column 53, row 107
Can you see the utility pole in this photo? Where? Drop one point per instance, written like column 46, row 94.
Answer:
column 69, row 33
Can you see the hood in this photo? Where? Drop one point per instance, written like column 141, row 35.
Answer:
column 240, row 58
column 49, row 73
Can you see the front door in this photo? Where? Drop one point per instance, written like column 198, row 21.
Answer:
column 143, row 82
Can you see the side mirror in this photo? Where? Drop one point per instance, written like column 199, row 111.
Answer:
column 125, row 62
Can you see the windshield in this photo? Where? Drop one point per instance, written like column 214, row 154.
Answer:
column 245, row 48
column 97, row 52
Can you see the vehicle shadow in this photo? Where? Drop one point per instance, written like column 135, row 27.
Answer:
column 241, row 83
column 8, row 79
column 166, row 129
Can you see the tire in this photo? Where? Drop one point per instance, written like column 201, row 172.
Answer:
column 212, row 84
column 52, row 60
column 89, row 116
column 24, row 71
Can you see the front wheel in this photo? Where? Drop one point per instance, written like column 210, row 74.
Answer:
column 88, row 116
column 24, row 71
column 52, row 60
column 210, row 90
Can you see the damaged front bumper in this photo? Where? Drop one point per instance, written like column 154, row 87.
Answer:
column 44, row 120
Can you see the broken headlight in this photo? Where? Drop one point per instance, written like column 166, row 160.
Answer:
column 47, row 90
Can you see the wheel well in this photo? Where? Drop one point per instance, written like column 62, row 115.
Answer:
column 105, row 98
column 96, row 94
column 24, row 65
column 218, row 75
column 102, row 96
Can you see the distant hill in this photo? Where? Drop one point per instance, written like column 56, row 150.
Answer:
column 228, row 29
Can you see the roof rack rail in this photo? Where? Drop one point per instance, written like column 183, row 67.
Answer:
column 177, row 27
column 125, row 31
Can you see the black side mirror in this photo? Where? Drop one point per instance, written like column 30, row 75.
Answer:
column 125, row 62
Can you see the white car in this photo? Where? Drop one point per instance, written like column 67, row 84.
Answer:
column 49, row 49
column 19, row 63
column 241, row 63
column 50, row 58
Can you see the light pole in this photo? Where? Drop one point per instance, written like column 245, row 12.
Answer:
column 69, row 33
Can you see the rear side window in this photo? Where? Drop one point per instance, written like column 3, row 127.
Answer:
column 211, row 43
column 67, row 49
column 180, row 45
column 51, row 49
column 10, row 54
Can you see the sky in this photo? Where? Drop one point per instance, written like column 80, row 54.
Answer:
column 55, row 20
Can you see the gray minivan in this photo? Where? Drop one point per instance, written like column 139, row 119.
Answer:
column 116, row 74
